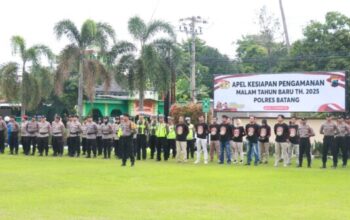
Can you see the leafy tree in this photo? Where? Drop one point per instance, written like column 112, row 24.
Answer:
column 36, row 81
column 79, row 56
column 144, row 70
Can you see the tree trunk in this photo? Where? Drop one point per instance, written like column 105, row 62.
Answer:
column 173, row 87
column 141, row 99
column 23, row 105
column 80, row 88
column 285, row 28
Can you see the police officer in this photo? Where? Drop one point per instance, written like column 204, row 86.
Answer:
column 83, row 137
column 25, row 135
column 74, row 129
column 328, row 129
column 70, row 119
column 171, row 136
column 342, row 131
column 99, row 138
column 190, row 138
column 107, row 134
column 91, row 133
column 126, row 130
column 32, row 130
column 305, row 132
column 141, row 140
column 161, row 133
column 152, row 135
column 57, row 136
column 3, row 129
column 116, row 144
column 44, row 128
column 13, row 142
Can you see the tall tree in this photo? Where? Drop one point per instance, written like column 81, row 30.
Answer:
column 80, row 56
column 143, row 68
column 34, row 77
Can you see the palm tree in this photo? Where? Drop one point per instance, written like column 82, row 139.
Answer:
column 143, row 69
column 172, row 62
column 30, row 90
column 79, row 56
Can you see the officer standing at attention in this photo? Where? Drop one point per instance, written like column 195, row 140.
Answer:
column 171, row 136
column 161, row 139
column 116, row 144
column 91, row 132
column 126, row 130
column 141, row 140
column 3, row 129
column 25, row 135
column 43, row 136
column 305, row 132
column 32, row 130
column 13, row 142
column 107, row 134
column 190, row 138
column 328, row 129
column 342, row 131
column 99, row 138
column 83, row 137
column 57, row 136
column 74, row 131
column 152, row 135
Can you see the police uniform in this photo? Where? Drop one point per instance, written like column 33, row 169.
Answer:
column 44, row 129
column 328, row 129
column 107, row 134
column 83, row 138
column 57, row 137
column 343, row 131
column 74, row 129
column 116, row 144
column 161, row 133
column 152, row 137
column 141, row 140
column 3, row 129
column 25, row 137
column 99, row 143
column 32, row 130
column 305, row 132
column 125, row 133
column 91, row 132
column 13, row 142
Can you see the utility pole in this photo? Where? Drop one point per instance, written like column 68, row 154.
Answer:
column 190, row 25
column 284, row 25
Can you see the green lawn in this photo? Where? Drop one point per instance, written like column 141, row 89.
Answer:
column 79, row 188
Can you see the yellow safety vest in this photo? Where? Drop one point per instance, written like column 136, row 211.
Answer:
column 171, row 134
column 190, row 132
column 161, row 130
column 142, row 127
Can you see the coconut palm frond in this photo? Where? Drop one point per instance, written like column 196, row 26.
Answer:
column 18, row 45
column 159, row 26
column 68, row 28
column 9, row 85
column 137, row 28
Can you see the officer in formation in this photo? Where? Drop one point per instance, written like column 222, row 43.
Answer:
column 162, row 136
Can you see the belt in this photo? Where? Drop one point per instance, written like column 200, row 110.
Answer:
column 43, row 133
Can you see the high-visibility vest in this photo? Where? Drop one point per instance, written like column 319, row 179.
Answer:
column 171, row 130
column 161, row 130
column 141, row 127
column 190, row 132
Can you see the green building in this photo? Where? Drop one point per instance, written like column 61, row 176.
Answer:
column 118, row 101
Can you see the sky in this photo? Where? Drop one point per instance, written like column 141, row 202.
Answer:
column 228, row 20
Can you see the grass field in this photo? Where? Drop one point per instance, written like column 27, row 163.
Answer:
column 79, row 188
